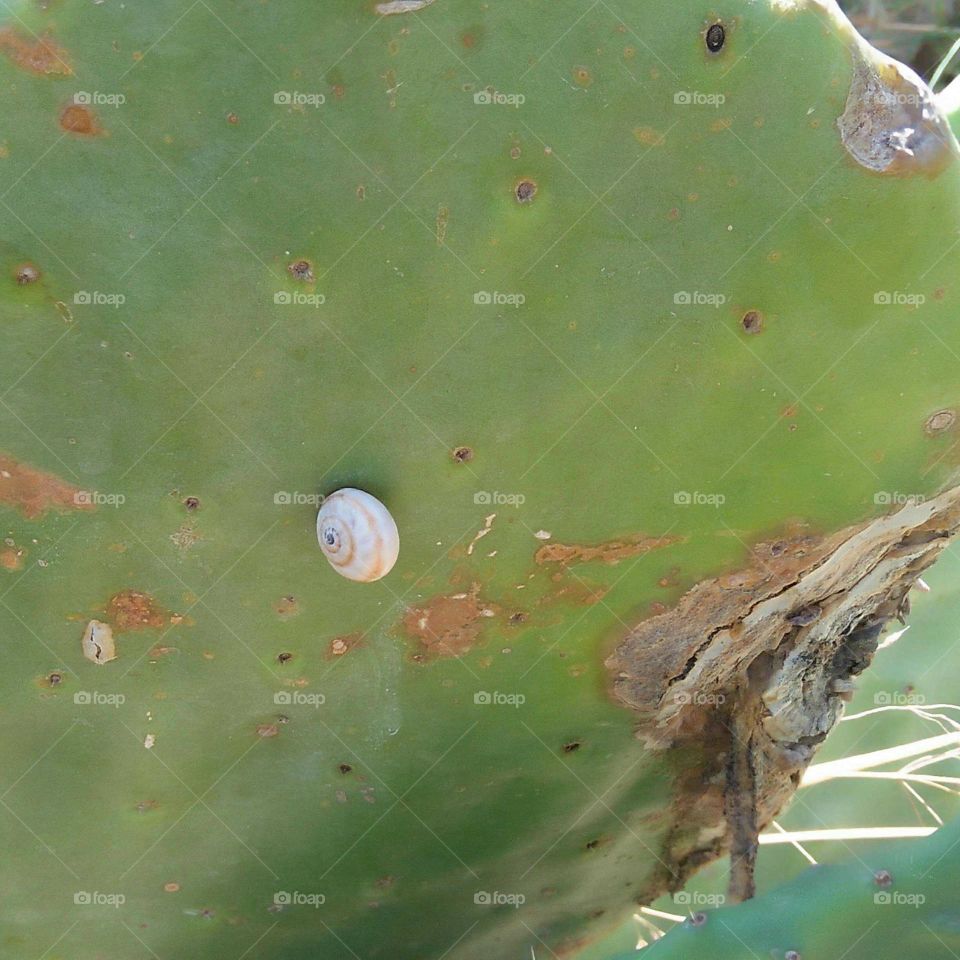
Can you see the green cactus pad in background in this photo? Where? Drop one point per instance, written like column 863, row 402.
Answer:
column 889, row 901
column 609, row 307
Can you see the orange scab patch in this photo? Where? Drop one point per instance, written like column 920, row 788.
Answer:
column 11, row 557
column 339, row 646
column 448, row 626
column 81, row 120
column 135, row 610
column 721, row 124
column 649, row 137
column 33, row 492
column 38, row 55
column 609, row 553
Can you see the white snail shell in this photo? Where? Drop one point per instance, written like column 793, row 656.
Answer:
column 357, row 535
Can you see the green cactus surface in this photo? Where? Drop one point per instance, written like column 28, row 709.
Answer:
column 594, row 299
column 894, row 900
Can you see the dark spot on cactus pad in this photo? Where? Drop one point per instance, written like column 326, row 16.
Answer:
column 34, row 492
column 517, row 618
column 284, row 657
column 192, row 503
column 752, row 321
column 525, row 190
column 345, row 768
column 698, row 919
column 609, row 553
column 38, row 55
column 54, row 679
column 883, row 878
column 301, row 270
column 572, row 746
column 26, row 273
column 715, row 37
column 461, row 454
column 792, row 955
column 593, row 844
column 940, row 422
column 448, row 626
column 80, row 120
column 135, row 610
column 233, row 118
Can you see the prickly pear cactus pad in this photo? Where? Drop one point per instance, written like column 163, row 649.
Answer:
column 640, row 322
column 895, row 900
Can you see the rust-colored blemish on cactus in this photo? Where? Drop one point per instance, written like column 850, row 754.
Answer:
column 287, row 607
column 448, row 626
column 136, row 610
column 610, row 553
column 340, row 646
column 81, row 120
column 39, row 55
column 33, row 492
column 649, row 137
column 11, row 557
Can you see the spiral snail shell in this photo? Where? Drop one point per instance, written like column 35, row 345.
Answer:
column 357, row 535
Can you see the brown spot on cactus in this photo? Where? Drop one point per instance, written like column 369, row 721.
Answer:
column 610, row 553
column 339, row 646
column 33, row 492
column 268, row 730
column 192, row 503
column 135, row 610
column 233, row 119
column 79, row 119
column 571, row 746
column 40, row 55
column 649, row 137
column 11, row 558
column 287, row 607
column 344, row 768
column 171, row 887
column 462, row 454
column 26, row 273
column 525, row 190
column 447, row 626
column 301, row 270
column 883, row 878
column 940, row 422
column 582, row 77
column 284, row 658
column 752, row 321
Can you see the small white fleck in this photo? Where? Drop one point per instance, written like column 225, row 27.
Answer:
column 543, row 534
column 149, row 740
